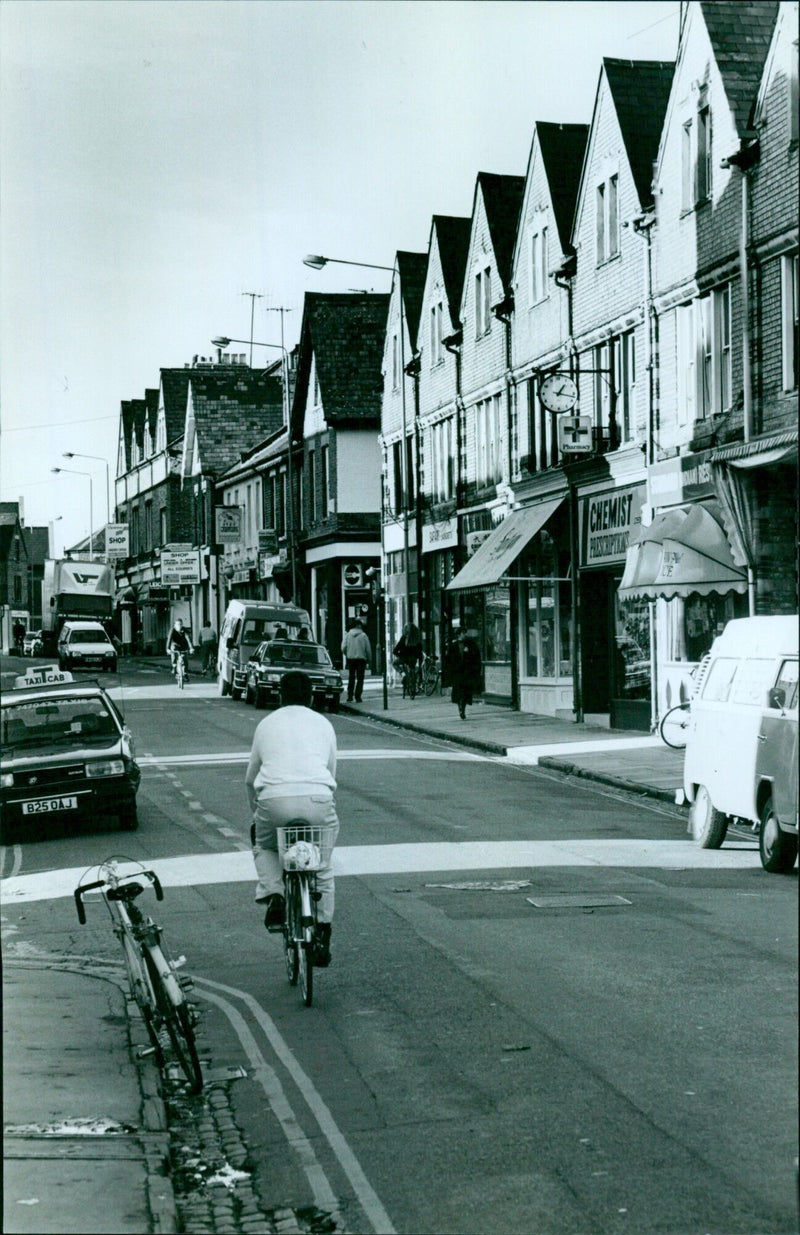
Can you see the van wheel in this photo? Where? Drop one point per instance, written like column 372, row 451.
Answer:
column 777, row 849
column 708, row 824
column 261, row 698
column 249, row 694
column 236, row 692
column 222, row 686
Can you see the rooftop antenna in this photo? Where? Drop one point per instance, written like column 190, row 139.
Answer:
column 254, row 296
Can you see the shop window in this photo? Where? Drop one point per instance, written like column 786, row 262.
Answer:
column 632, row 650
column 547, row 634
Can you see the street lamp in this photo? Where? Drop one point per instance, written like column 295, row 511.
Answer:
column 74, row 472
column 223, row 341
column 75, row 454
column 316, row 262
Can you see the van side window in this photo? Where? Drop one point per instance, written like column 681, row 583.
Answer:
column 752, row 682
column 718, row 682
column 787, row 682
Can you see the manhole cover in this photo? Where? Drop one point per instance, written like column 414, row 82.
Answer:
column 575, row 900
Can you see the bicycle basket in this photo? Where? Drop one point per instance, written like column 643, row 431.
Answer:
column 305, row 846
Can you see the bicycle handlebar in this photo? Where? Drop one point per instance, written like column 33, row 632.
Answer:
column 81, row 891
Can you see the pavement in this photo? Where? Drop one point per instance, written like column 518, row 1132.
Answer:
column 86, row 1146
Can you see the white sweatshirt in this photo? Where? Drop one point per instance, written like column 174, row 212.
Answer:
column 293, row 754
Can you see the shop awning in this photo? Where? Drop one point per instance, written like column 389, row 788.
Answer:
column 503, row 545
column 684, row 550
column 760, row 452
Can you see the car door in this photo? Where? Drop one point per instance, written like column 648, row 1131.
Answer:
column 777, row 742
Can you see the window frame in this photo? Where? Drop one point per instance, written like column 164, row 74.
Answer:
column 789, row 322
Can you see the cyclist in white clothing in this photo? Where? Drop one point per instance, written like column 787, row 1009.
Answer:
column 292, row 775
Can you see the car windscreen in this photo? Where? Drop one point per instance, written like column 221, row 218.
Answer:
column 258, row 629
column 89, row 636
column 65, row 720
column 297, row 654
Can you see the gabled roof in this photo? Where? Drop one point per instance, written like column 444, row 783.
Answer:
column 412, row 268
column 126, row 422
column 344, row 333
column 151, row 412
column 640, row 90
column 233, row 408
column 175, row 387
column 740, row 34
column 37, row 542
column 138, row 408
column 502, row 199
column 766, row 73
column 452, row 234
column 563, row 147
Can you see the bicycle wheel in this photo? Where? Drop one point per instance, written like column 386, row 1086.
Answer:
column 290, row 927
column 431, row 681
column 178, row 1022
column 411, row 683
column 143, row 993
column 307, row 972
column 674, row 726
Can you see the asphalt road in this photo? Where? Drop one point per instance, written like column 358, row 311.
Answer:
column 542, row 1016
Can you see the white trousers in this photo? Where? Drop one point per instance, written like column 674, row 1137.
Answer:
column 277, row 812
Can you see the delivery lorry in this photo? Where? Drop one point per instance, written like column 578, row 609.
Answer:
column 74, row 588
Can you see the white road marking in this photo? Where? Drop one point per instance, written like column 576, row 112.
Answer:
column 531, row 755
column 162, row 761
column 366, row 1195
column 197, row 869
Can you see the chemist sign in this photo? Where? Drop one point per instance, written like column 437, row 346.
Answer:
column 607, row 520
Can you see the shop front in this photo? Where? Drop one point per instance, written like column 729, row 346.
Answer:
column 340, row 595
column 439, row 548
column 615, row 670
column 683, row 567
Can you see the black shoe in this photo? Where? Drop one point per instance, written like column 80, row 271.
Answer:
column 322, row 945
column 273, row 918
column 462, row 713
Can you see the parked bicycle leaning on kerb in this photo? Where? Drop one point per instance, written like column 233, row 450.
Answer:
column 673, row 728
column 154, row 984
column 429, row 674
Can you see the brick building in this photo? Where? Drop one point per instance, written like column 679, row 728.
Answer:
column 15, row 605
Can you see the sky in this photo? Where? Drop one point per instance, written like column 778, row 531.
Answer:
column 160, row 159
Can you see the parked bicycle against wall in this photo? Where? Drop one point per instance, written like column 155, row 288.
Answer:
column 303, row 848
column 407, row 672
column 154, row 983
column 673, row 728
column 429, row 674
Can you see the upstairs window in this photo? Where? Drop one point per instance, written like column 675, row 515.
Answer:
column 437, row 317
column 312, row 485
column 696, row 156
column 539, row 286
column 607, row 219
column 687, row 178
column 705, row 376
column 789, row 343
column 395, row 362
column 441, row 484
column 325, row 479
column 703, row 151
column 483, row 302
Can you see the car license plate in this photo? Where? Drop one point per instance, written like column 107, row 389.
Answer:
column 45, row 806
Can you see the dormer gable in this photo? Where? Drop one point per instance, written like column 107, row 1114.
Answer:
column 495, row 215
column 782, row 62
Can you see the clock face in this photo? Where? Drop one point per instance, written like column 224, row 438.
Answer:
column 558, row 392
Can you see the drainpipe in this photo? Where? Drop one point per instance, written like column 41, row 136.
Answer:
column 503, row 312
column 453, row 344
column 413, row 369
column 563, row 278
column 642, row 226
column 743, row 159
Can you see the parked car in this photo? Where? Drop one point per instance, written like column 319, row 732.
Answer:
column 248, row 623
column 741, row 749
column 86, row 645
column 274, row 657
column 32, row 643
column 67, row 755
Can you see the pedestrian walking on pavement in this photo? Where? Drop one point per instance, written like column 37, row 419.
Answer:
column 357, row 651
column 463, row 667
column 208, row 647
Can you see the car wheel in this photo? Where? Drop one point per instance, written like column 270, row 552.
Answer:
column 708, row 825
column 249, row 693
column 777, row 849
column 62, row 664
column 333, row 705
column 129, row 818
column 236, row 692
column 261, row 698
column 222, row 686
column 112, row 666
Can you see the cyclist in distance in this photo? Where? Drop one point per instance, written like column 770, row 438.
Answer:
column 179, row 641
column 292, row 775
column 408, row 648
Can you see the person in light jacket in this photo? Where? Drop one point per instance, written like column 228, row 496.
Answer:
column 357, row 651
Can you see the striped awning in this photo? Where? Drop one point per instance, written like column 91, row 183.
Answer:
column 759, row 452
column 503, row 545
column 683, row 551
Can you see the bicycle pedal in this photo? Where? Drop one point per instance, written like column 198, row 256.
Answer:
column 186, row 983
column 316, row 896
column 275, row 930
column 144, row 1052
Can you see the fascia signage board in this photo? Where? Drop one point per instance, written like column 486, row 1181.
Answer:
column 179, row 568
column 607, row 520
column 684, row 478
column 441, row 535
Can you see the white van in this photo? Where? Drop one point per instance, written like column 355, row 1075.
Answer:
column 741, row 749
column 248, row 623
column 86, row 645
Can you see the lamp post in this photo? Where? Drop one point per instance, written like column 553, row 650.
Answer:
column 75, row 472
column 316, row 262
column 75, row 454
column 223, row 341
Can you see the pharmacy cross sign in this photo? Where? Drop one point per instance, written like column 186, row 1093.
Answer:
column 575, row 434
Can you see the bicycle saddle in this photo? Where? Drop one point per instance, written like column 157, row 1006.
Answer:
column 128, row 892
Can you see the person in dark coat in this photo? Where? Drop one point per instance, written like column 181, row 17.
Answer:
column 463, row 667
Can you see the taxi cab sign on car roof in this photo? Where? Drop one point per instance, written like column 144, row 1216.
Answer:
column 46, row 675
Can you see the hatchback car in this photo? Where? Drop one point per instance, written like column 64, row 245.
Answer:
column 86, row 645
column 275, row 657
column 67, row 755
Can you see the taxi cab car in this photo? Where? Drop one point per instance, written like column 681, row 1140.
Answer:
column 66, row 755
column 275, row 657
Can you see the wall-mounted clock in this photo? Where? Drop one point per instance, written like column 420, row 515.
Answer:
column 558, row 392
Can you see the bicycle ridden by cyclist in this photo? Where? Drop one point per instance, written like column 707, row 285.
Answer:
column 178, row 642
column 408, row 649
column 292, row 775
